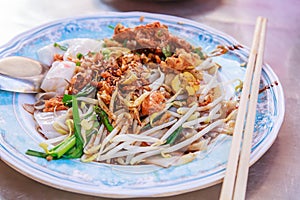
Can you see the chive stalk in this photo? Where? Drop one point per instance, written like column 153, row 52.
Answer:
column 71, row 147
column 61, row 47
column 102, row 117
column 77, row 128
column 171, row 139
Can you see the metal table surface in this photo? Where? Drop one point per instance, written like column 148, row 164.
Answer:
column 276, row 175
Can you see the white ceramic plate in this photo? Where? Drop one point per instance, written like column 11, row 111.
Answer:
column 17, row 128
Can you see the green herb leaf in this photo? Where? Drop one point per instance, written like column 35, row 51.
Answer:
column 171, row 139
column 78, row 63
column 199, row 52
column 159, row 33
column 167, row 51
column 102, row 117
column 111, row 27
column 36, row 153
column 79, row 56
column 106, row 53
column 67, row 100
column 63, row 48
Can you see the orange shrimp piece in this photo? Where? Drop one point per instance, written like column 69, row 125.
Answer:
column 58, row 57
column 153, row 103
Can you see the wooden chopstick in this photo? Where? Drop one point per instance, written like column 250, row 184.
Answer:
column 229, row 179
column 235, row 180
column 243, row 168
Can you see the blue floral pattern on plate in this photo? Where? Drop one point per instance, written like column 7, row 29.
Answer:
column 18, row 131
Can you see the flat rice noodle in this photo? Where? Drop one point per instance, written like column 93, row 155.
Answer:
column 57, row 78
column 75, row 46
column 45, row 120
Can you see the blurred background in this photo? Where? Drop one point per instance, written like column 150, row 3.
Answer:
column 276, row 174
column 235, row 17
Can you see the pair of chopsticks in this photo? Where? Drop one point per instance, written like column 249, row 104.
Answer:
column 235, row 181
